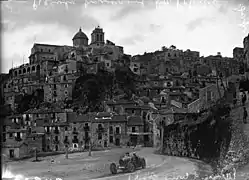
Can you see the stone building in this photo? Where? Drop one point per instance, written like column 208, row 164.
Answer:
column 103, row 129
column 246, row 49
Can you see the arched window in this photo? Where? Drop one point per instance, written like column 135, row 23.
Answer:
column 97, row 37
column 28, row 70
column 24, row 70
column 20, row 71
column 99, row 126
column 38, row 67
column 15, row 73
column 33, row 68
column 101, row 37
column 111, row 130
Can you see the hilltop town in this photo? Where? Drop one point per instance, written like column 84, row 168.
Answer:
column 92, row 95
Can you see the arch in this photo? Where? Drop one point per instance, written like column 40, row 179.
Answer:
column 97, row 37
column 24, row 70
column 28, row 70
column 20, row 71
column 38, row 67
column 101, row 37
column 33, row 68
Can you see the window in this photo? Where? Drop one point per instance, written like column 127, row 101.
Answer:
column 99, row 136
column 66, row 85
column 10, row 135
column 132, row 111
column 74, row 129
column 111, row 130
column 66, row 128
column 117, row 130
column 107, row 64
column 33, row 138
column 56, row 138
column 133, row 129
column 111, row 139
column 65, row 92
column 48, row 50
column 41, row 50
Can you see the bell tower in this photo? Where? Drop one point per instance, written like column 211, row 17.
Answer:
column 97, row 37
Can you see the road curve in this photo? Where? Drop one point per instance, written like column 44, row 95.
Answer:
column 170, row 167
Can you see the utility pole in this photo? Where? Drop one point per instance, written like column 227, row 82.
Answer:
column 66, row 151
column 90, row 141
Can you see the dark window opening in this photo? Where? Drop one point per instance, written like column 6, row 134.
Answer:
column 10, row 135
column 111, row 139
column 99, row 136
column 117, row 130
column 111, row 130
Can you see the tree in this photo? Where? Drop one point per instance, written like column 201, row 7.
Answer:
column 172, row 47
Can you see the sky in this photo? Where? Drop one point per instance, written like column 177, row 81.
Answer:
column 207, row 26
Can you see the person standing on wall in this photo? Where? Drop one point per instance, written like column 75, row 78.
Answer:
column 244, row 98
column 245, row 114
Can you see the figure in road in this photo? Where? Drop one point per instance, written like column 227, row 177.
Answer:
column 244, row 98
column 245, row 114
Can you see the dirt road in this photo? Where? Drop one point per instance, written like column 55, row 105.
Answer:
column 80, row 166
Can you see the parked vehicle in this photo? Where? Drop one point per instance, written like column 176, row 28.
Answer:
column 128, row 163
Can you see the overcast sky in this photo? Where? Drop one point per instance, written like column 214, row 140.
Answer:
column 137, row 25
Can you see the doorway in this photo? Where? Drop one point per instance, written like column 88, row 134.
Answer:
column 56, row 148
column 117, row 142
column 134, row 139
column 105, row 144
column 11, row 153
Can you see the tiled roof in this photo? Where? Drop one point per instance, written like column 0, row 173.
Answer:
column 35, row 135
column 16, row 130
column 135, row 121
column 56, row 124
column 103, row 114
column 14, row 145
column 45, row 110
column 119, row 118
column 7, row 121
column 121, row 101
column 73, row 117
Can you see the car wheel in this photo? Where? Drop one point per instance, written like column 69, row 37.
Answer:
column 130, row 167
column 113, row 168
column 143, row 163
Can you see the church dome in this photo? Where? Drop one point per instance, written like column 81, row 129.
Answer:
column 80, row 35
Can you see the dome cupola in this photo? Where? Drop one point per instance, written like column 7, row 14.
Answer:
column 80, row 39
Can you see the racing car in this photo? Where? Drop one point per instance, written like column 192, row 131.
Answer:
column 128, row 163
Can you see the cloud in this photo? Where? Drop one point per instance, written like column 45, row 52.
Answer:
column 18, row 44
column 208, row 29
column 70, row 19
column 132, row 40
column 192, row 25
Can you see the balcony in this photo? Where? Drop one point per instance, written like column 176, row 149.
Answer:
column 86, row 128
column 100, row 130
column 18, row 139
column 86, row 139
column 75, row 132
column 75, row 141
column 56, row 132
column 56, row 141
column 66, row 141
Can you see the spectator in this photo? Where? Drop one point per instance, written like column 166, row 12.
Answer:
column 244, row 98
column 245, row 115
